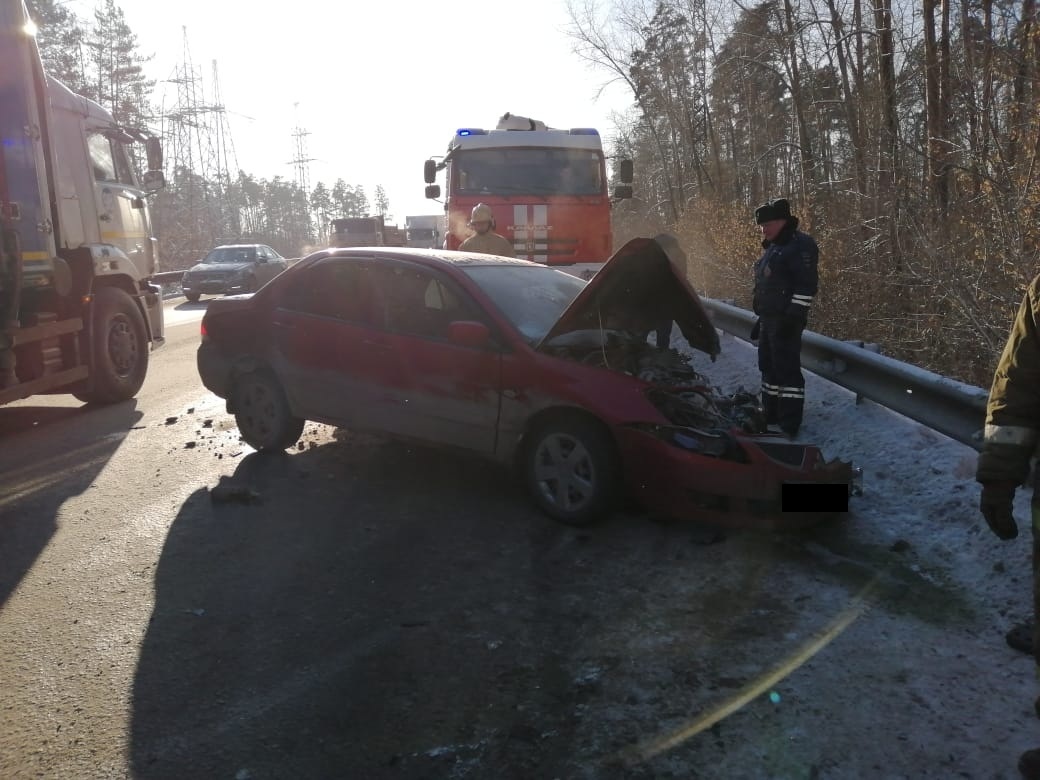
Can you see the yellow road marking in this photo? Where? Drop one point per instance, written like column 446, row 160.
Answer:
column 860, row 604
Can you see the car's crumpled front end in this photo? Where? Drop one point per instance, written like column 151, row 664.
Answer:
column 712, row 459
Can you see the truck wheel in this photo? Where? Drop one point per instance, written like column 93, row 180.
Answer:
column 262, row 412
column 119, row 349
column 571, row 469
column 192, row 297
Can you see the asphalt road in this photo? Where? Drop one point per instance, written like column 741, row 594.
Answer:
column 359, row 608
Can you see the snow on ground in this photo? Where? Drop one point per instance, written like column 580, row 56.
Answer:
column 928, row 672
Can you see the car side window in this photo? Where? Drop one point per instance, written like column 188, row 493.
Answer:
column 341, row 290
column 421, row 303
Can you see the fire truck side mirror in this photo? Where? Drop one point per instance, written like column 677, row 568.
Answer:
column 625, row 172
column 623, row 192
column 430, row 172
column 433, row 191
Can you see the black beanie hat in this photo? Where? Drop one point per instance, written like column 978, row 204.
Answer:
column 774, row 209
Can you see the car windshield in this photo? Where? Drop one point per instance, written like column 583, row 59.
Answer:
column 531, row 297
column 231, row 254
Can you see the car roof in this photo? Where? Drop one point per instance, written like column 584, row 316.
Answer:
column 443, row 257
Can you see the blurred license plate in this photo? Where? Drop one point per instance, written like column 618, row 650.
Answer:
column 814, row 497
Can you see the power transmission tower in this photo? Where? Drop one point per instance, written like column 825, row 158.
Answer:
column 301, row 171
column 227, row 160
column 200, row 150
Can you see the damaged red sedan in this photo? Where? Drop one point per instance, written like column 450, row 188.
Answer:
column 520, row 363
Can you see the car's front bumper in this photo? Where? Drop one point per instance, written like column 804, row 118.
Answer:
column 214, row 287
column 733, row 479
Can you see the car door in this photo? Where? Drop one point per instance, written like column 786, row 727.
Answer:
column 436, row 390
column 269, row 266
column 321, row 334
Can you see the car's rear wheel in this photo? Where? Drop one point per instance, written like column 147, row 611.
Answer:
column 571, row 470
column 262, row 412
column 192, row 297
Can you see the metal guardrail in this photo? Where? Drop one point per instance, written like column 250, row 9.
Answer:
column 945, row 405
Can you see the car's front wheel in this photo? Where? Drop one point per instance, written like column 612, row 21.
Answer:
column 192, row 297
column 262, row 412
column 120, row 348
column 571, row 470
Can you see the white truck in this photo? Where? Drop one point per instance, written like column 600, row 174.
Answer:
column 78, row 313
column 425, row 231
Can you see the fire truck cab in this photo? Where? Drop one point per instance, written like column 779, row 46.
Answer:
column 547, row 188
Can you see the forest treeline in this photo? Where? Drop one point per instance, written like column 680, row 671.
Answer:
column 906, row 137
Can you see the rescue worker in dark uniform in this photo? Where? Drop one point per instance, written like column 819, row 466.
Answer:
column 1010, row 441
column 786, row 279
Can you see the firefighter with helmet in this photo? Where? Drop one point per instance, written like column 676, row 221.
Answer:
column 486, row 240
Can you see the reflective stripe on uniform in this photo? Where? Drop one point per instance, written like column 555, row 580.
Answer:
column 1010, row 434
column 801, row 300
column 770, row 389
column 791, row 392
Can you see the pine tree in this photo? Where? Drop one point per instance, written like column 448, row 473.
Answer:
column 118, row 79
column 382, row 201
column 60, row 37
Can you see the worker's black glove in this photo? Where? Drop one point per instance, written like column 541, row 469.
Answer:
column 756, row 330
column 996, row 504
column 793, row 320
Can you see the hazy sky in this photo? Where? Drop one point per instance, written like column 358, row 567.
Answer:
column 379, row 86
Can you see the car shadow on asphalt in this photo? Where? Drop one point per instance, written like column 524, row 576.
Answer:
column 367, row 609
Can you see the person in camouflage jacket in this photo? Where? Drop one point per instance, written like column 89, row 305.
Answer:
column 1010, row 440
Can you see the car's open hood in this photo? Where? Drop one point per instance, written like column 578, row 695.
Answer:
column 640, row 287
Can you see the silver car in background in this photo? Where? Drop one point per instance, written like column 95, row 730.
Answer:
column 231, row 269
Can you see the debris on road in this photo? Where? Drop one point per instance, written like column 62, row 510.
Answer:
column 228, row 490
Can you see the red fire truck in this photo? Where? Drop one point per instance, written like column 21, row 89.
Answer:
column 547, row 188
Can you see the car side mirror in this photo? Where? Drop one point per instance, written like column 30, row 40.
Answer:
column 430, row 172
column 623, row 192
column 625, row 171
column 433, row 191
column 469, row 333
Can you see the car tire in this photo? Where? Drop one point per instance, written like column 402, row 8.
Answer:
column 571, row 470
column 262, row 412
column 119, row 349
column 192, row 297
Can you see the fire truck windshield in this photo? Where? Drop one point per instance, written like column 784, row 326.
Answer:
column 527, row 171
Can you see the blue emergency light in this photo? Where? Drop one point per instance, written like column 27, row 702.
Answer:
column 470, row 131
